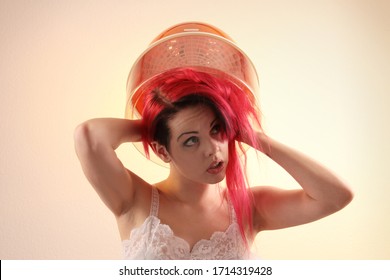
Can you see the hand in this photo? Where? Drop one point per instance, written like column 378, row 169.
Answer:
column 256, row 139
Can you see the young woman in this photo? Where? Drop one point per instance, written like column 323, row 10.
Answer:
column 193, row 122
column 192, row 91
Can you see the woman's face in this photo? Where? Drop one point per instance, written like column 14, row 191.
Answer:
column 198, row 149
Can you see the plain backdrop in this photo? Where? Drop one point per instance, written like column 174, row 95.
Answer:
column 324, row 78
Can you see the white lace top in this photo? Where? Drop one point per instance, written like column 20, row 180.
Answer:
column 156, row 241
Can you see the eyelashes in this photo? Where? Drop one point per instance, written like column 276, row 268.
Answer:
column 191, row 141
column 215, row 131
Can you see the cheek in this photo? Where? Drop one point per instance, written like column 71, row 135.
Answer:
column 190, row 167
column 181, row 157
column 187, row 162
column 225, row 147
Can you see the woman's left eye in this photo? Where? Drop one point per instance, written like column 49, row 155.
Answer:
column 216, row 129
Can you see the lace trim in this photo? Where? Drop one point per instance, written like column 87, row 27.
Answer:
column 154, row 240
column 161, row 243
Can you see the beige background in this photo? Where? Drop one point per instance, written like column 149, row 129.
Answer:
column 324, row 72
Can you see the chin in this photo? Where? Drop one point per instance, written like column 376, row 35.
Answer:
column 215, row 179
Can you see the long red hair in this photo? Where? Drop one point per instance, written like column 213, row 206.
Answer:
column 177, row 88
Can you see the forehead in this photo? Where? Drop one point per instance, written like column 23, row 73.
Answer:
column 191, row 118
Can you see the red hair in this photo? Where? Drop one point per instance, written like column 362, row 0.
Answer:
column 237, row 109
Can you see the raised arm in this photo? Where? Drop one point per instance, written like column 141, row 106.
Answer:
column 95, row 144
column 322, row 193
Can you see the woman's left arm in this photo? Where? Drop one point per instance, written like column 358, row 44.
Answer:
column 322, row 193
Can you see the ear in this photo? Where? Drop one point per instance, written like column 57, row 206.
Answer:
column 161, row 152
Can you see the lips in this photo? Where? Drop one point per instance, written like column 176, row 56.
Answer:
column 216, row 167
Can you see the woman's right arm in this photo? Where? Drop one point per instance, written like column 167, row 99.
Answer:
column 95, row 144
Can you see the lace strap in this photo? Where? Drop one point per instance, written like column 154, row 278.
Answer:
column 154, row 203
column 232, row 212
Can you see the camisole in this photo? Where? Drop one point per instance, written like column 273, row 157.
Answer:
column 156, row 241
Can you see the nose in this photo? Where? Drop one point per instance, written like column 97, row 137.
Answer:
column 212, row 147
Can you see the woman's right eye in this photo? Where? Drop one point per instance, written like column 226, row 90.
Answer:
column 191, row 141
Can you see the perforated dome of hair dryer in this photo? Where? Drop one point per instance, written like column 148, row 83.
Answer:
column 199, row 46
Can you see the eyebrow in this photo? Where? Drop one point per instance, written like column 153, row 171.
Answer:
column 189, row 132
column 196, row 132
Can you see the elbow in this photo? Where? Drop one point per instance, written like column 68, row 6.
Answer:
column 344, row 197
column 348, row 197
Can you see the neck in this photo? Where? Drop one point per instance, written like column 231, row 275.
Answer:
column 183, row 190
